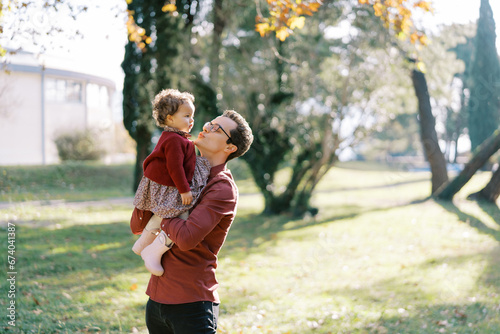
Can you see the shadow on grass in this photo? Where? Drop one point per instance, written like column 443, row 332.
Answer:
column 249, row 232
column 97, row 247
column 490, row 209
column 478, row 314
column 404, row 305
column 439, row 318
column 379, row 186
column 77, row 279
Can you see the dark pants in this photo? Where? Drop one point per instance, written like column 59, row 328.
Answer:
column 190, row 318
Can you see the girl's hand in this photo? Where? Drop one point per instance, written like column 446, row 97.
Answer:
column 187, row 198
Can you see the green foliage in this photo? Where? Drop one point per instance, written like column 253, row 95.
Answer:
column 306, row 99
column 484, row 100
column 239, row 169
column 78, row 145
column 161, row 65
column 298, row 96
column 397, row 137
column 205, row 101
column 447, row 64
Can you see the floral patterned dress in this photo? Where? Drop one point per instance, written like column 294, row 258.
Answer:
column 165, row 201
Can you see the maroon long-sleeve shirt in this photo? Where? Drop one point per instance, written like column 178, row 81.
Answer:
column 172, row 162
column 190, row 264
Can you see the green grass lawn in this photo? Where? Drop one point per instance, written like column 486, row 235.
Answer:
column 68, row 181
column 379, row 258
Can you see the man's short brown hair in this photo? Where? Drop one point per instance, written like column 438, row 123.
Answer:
column 241, row 137
column 167, row 102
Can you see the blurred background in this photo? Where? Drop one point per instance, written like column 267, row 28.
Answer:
column 339, row 87
column 368, row 200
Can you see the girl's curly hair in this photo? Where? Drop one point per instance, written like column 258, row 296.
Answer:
column 167, row 102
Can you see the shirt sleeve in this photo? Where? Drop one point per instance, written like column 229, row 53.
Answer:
column 216, row 203
column 174, row 153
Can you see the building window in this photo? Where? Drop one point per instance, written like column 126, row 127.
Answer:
column 60, row 90
column 97, row 96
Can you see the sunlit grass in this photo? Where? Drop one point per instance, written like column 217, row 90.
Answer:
column 75, row 181
column 381, row 257
column 385, row 270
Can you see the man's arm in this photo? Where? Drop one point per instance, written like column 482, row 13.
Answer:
column 217, row 202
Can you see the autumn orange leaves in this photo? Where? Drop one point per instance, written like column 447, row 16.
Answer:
column 287, row 15
column 284, row 16
column 136, row 33
column 397, row 16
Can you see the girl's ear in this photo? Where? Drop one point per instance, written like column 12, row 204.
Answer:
column 169, row 119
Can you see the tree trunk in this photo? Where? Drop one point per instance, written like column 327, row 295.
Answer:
column 219, row 24
column 491, row 191
column 143, row 150
column 481, row 156
column 428, row 132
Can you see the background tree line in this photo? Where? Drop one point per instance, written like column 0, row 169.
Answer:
column 343, row 82
column 327, row 88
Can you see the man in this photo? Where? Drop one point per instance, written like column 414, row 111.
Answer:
column 184, row 300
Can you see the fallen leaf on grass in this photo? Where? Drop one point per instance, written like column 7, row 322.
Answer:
column 91, row 329
column 133, row 287
column 460, row 315
column 442, row 323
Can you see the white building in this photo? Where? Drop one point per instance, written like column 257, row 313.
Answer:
column 40, row 101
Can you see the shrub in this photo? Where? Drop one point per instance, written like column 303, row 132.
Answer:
column 79, row 145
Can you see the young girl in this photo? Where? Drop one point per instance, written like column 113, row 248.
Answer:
column 173, row 175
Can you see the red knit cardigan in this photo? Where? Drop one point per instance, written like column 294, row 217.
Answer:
column 172, row 162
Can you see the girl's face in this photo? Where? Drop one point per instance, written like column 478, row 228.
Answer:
column 183, row 118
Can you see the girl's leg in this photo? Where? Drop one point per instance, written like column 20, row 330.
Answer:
column 139, row 220
column 152, row 254
column 148, row 234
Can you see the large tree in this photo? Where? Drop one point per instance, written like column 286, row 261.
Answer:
column 447, row 61
column 432, row 151
column 484, row 100
column 399, row 22
column 306, row 103
column 438, row 107
column 482, row 73
column 155, row 59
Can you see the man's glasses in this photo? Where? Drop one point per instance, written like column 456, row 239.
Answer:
column 214, row 127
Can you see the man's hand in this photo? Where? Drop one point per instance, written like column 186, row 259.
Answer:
column 187, row 198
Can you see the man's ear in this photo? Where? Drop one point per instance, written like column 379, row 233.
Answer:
column 231, row 148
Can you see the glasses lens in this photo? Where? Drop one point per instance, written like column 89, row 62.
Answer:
column 212, row 127
column 209, row 127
